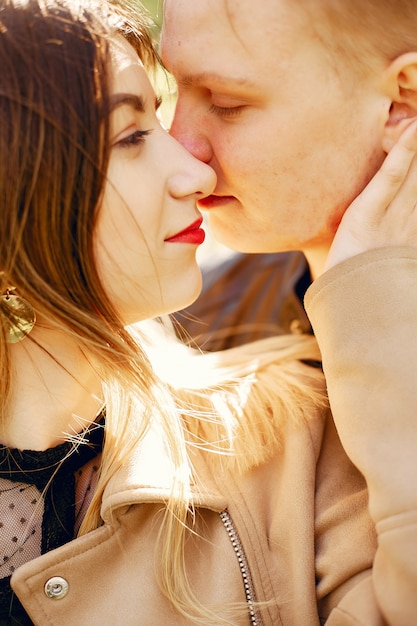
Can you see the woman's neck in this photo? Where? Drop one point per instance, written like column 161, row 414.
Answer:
column 56, row 391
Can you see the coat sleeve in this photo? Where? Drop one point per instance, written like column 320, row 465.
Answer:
column 364, row 314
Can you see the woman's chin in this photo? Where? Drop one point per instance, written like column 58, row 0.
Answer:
column 188, row 295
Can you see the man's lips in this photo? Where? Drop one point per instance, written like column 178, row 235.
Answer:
column 192, row 234
column 212, row 202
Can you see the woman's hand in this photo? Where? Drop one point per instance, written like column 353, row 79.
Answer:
column 385, row 213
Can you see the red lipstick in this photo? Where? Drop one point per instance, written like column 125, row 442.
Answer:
column 192, row 234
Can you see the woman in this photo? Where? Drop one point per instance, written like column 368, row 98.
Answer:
column 224, row 499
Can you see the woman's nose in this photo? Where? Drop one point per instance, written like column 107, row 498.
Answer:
column 191, row 176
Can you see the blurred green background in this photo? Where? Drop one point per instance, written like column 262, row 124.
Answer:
column 155, row 9
column 165, row 85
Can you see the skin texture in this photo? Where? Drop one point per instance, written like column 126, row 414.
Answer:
column 293, row 134
column 150, row 195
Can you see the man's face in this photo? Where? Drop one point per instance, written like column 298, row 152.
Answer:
column 292, row 134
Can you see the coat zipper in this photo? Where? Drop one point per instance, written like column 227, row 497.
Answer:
column 255, row 618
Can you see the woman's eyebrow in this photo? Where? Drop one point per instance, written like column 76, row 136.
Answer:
column 136, row 102
column 130, row 99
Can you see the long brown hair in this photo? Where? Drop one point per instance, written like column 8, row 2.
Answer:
column 54, row 150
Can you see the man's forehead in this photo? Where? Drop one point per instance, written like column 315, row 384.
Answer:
column 218, row 15
column 226, row 27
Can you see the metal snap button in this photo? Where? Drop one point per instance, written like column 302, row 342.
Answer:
column 56, row 588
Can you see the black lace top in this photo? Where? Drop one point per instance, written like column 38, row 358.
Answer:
column 43, row 498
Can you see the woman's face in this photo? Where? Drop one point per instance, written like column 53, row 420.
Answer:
column 148, row 227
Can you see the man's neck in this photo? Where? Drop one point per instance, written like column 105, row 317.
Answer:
column 316, row 258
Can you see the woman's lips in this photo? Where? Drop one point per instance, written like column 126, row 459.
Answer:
column 192, row 234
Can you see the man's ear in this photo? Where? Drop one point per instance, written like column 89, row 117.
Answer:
column 401, row 78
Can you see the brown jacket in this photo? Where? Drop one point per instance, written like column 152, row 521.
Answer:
column 295, row 530
column 247, row 297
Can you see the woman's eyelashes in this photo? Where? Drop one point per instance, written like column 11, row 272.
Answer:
column 136, row 138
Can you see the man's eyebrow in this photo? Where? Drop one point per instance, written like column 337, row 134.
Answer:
column 212, row 78
column 129, row 99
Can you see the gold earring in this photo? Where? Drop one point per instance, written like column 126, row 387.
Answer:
column 20, row 316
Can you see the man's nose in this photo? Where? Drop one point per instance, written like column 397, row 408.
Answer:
column 190, row 132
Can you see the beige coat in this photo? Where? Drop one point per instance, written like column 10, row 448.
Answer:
column 364, row 313
column 295, row 530
column 274, row 510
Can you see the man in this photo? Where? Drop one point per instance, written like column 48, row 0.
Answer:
column 295, row 115
column 293, row 130
column 295, row 105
